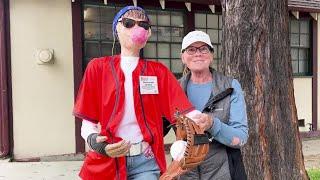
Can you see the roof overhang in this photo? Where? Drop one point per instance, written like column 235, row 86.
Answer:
column 310, row 6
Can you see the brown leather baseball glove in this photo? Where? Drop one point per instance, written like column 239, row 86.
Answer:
column 196, row 150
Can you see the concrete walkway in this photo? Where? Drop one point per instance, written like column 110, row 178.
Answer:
column 311, row 153
column 59, row 170
column 68, row 170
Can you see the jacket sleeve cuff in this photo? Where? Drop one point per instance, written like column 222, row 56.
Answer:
column 192, row 113
column 215, row 129
column 82, row 116
column 93, row 144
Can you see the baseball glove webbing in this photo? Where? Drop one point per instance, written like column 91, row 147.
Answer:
column 196, row 149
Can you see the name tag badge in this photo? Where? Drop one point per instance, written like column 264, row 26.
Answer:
column 148, row 85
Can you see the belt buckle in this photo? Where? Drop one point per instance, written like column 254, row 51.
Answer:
column 135, row 149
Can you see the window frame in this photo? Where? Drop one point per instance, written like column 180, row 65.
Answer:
column 100, row 41
column 170, row 42
column 309, row 61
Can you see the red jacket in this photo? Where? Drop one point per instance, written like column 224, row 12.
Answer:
column 101, row 99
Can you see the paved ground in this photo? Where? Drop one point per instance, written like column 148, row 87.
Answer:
column 62, row 170
column 311, row 152
column 68, row 170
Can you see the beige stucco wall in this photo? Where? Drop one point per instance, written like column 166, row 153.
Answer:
column 42, row 95
column 303, row 99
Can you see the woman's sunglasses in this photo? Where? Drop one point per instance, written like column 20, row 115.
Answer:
column 129, row 23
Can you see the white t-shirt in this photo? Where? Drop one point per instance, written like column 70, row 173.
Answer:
column 129, row 128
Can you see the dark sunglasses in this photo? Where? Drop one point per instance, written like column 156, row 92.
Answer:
column 129, row 23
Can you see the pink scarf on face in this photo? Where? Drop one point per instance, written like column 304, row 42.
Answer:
column 139, row 35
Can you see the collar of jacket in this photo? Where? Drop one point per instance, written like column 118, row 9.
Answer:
column 186, row 78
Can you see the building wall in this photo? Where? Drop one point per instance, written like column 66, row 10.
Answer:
column 42, row 95
column 303, row 92
column 303, row 99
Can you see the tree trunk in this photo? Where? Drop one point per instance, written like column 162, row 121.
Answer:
column 256, row 51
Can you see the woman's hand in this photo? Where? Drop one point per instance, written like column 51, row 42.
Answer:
column 203, row 120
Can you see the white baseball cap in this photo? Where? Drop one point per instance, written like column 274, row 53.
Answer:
column 195, row 36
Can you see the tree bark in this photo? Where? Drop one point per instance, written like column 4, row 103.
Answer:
column 256, row 51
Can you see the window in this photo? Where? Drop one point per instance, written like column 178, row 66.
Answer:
column 98, row 38
column 212, row 25
column 300, row 42
column 164, row 44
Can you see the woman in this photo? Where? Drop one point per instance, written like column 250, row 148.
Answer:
column 227, row 122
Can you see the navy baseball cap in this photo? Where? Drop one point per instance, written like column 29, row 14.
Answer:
column 121, row 13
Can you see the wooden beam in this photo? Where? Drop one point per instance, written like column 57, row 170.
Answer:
column 205, row 2
column 304, row 9
column 162, row 3
column 295, row 14
column 315, row 75
column 188, row 5
column 213, row 8
column 6, row 121
column 314, row 15
column 135, row 3
column 305, row 4
column 77, row 40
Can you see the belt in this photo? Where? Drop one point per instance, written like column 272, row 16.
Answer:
column 138, row 148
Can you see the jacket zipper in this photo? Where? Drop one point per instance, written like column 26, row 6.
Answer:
column 117, row 92
column 117, row 169
column 114, row 109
